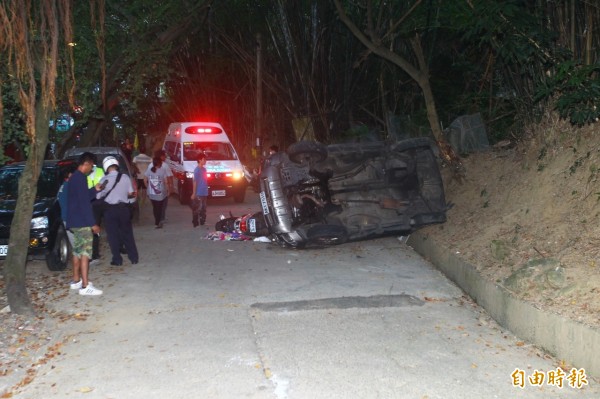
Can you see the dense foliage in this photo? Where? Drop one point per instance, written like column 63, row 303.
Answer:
column 577, row 88
column 142, row 64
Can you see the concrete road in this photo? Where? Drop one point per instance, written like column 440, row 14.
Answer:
column 215, row 319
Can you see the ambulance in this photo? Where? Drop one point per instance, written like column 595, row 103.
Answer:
column 185, row 141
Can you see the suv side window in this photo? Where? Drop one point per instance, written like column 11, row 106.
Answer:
column 9, row 182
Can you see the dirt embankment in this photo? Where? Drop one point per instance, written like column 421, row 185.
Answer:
column 527, row 216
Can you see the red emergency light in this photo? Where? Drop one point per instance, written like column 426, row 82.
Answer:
column 203, row 130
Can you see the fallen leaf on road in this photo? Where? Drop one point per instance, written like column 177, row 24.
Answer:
column 428, row 299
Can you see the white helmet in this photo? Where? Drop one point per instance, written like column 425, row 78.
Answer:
column 108, row 162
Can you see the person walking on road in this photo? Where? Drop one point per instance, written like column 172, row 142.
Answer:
column 199, row 192
column 117, row 216
column 155, row 179
column 163, row 157
column 80, row 220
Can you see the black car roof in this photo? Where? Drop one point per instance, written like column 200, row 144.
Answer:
column 104, row 151
column 101, row 153
column 47, row 163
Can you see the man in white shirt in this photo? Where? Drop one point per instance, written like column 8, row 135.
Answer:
column 163, row 156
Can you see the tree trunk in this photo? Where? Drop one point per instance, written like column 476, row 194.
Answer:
column 422, row 79
column 419, row 74
column 16, row 260
column 120, row 65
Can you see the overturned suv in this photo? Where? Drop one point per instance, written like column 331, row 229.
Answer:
column 317, row 195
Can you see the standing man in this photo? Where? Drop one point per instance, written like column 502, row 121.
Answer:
column 117, row 217
column 199, row 192
column 63, row 201
column 167, row 170
column 92, row 179
column 80, row 220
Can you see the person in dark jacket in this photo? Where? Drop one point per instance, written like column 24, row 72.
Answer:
column 81, row 221
column 63, row 201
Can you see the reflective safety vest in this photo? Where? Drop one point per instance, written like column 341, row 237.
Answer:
column 95, row 176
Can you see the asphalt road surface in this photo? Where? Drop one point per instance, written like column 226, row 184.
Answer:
column 198, row 318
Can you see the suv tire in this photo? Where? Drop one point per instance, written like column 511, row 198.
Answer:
column 58, row 258
column 307, row 152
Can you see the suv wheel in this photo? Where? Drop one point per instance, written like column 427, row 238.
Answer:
column 307, row 152
column 58, row 258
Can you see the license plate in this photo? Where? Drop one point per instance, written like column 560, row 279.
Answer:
column 218, row 193
column 252, row 225
column 3, row 250
column 263, row 203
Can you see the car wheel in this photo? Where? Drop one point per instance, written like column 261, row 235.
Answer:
column 184, row 196
column 58, row 258
column 327, row 235
column 307, row 152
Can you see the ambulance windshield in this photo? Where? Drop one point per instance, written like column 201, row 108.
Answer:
column 214, row 151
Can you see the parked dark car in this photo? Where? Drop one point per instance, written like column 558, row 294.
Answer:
column 124, row 167
column 317, row 195
column 48, row 237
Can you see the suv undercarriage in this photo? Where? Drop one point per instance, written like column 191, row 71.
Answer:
column 325, row 195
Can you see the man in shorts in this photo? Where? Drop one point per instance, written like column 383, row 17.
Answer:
column 63, row 200
column 81, row 221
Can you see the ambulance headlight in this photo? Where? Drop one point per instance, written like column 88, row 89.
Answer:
column 189, row 175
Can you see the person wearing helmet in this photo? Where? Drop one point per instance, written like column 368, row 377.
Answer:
column 116, row 190
column 94, row 178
